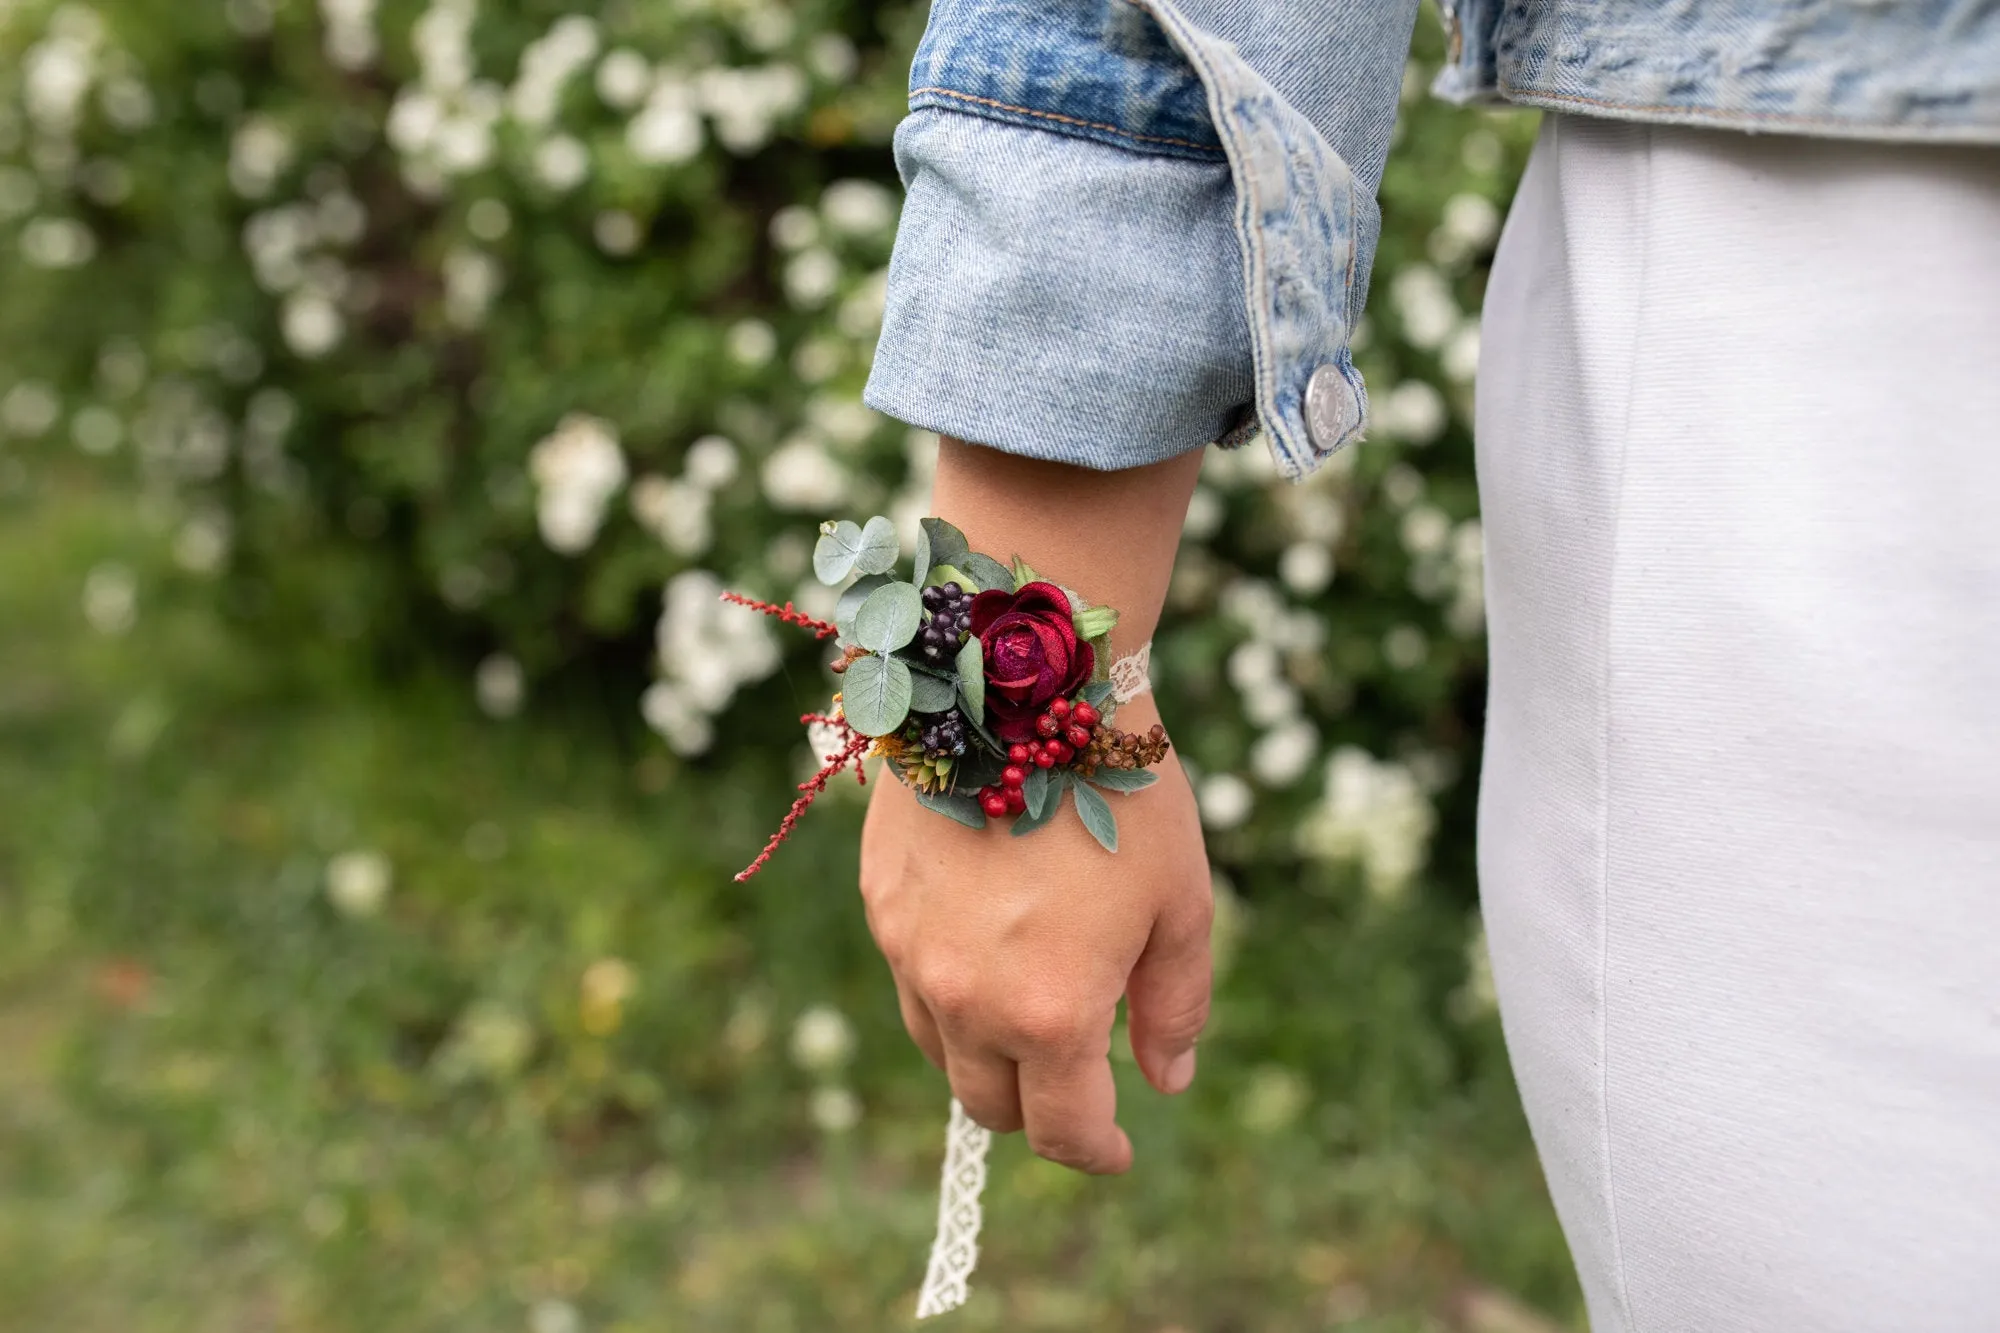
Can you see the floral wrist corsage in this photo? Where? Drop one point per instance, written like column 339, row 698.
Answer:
column 989, row 691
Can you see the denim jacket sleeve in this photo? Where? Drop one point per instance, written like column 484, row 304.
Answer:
column 1134, row 227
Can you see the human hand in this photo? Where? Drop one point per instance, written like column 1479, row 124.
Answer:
column 1010, row 955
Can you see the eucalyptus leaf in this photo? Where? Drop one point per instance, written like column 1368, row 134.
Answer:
column 962, row 808
column 1124, row 779
column 986, row 573
column 930, row 694
column 943, row 574
column 938, row 543
column 1036, row 790
column 889, row 617
column 875, row 695
column 879, row 547
column 838, row 547
column 1023, row 575
column 1097, row 816
column 851, row 599
column 1097, row 693
column 1094, row 622
column 1026, row 823
column 972, row 680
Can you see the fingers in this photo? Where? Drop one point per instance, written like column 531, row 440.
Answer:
column 987, row 1085
column 1069, row 1107
column 1166, row 996
column 917, row 1020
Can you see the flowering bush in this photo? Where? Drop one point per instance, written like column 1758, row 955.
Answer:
column 512, row 334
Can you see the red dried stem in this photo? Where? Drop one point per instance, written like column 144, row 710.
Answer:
column 787, row 613
column 853, row 752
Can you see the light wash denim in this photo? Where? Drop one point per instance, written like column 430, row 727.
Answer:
column 1134, row 227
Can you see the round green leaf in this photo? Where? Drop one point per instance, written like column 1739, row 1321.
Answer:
column 985, row 572
column 879, row 547
column 875, row 695
column 972, row 679
column 964, row 809
column 851, row 599
column 839, row 546
column 938, row 543
column 888, row 617
column 930, row 694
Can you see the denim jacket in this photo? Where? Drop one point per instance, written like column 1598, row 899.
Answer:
column 1134, row 227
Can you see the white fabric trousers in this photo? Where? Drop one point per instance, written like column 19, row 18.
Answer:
column 1739, row 459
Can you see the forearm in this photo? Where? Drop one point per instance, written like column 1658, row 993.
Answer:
column 1110, row 536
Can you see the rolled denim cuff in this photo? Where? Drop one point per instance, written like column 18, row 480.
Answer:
column 1062, row 298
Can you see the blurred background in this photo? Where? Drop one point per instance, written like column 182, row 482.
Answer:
column 386, row 389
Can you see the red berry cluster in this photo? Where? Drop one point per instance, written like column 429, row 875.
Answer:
column 1060, row 732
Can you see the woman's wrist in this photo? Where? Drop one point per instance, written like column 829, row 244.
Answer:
column 1110, row 536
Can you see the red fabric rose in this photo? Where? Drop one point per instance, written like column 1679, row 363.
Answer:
column 1032, row 655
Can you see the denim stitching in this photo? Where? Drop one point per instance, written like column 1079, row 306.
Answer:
column 1529, row 96
column 1066, row 120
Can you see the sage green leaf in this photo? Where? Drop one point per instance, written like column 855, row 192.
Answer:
column 879, row 547
column 1036, row 790
column 851, row 599
column 875, row 695
column 943, row 574
column 1023, row 575
column 1097, row 816
column 889, row 617
column 985, row 572
column 972, row 680
column 1124, row 779
column 1097, row 693
column 938, row 543
column 930, row 694
column 1027, row 823
column 839, row 546
column 1094, row 622
column 962, row 808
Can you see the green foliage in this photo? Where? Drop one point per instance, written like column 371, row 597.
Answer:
column 1096, row 814
column 876, row 695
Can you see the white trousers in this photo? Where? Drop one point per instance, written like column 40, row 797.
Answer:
column 1739, row 459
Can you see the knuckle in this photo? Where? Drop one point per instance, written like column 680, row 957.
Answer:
column 1051, row 1022
column 948, row 989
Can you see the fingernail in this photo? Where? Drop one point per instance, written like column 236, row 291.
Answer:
column 1180, row 1072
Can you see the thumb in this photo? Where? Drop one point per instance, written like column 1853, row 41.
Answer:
column 1166, row 997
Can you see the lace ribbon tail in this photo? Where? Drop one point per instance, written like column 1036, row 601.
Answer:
column 955, row 1251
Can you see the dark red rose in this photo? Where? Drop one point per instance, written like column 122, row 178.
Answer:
column 1032, row 655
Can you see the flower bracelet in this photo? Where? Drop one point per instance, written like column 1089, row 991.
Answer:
column 989, row 691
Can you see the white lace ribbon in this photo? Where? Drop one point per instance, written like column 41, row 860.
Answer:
column 955, row 1252
column 955, row 1248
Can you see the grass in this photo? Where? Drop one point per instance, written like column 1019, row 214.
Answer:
column 228, row 1104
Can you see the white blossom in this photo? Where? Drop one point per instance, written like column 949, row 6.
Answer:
column 667, row 129
column 56, row 73
column 357, row 882
column 562, row 162
column 349, row 25
column 676, row 512
column 708, row 649
column 29, row 409
column 471, row 281
column 97, row 429
column 794, row 227
column 1460, row 357
column 576, row 469
column 822, row 1040
column 835, row 1110
column 1425, row 529
column 57, row 243
column 711, row 463
column 800, row 475
column 1423, row 302
column 1225, row 800
column 550, row 1315
column 752, row 342
column 616, row 231
column 1413, row 410
column 110, row 599
column 811, row 277
column 833, row 57
column 258, row 152
column 858, row 207
column 623, row 78
column 500, row 685
column 1373, row 813
column 668, row 711
column 1306, row 568
column 203, row 542
column 1282, row 755
column 128, row 103
column 312, row 324
column 860, row 313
